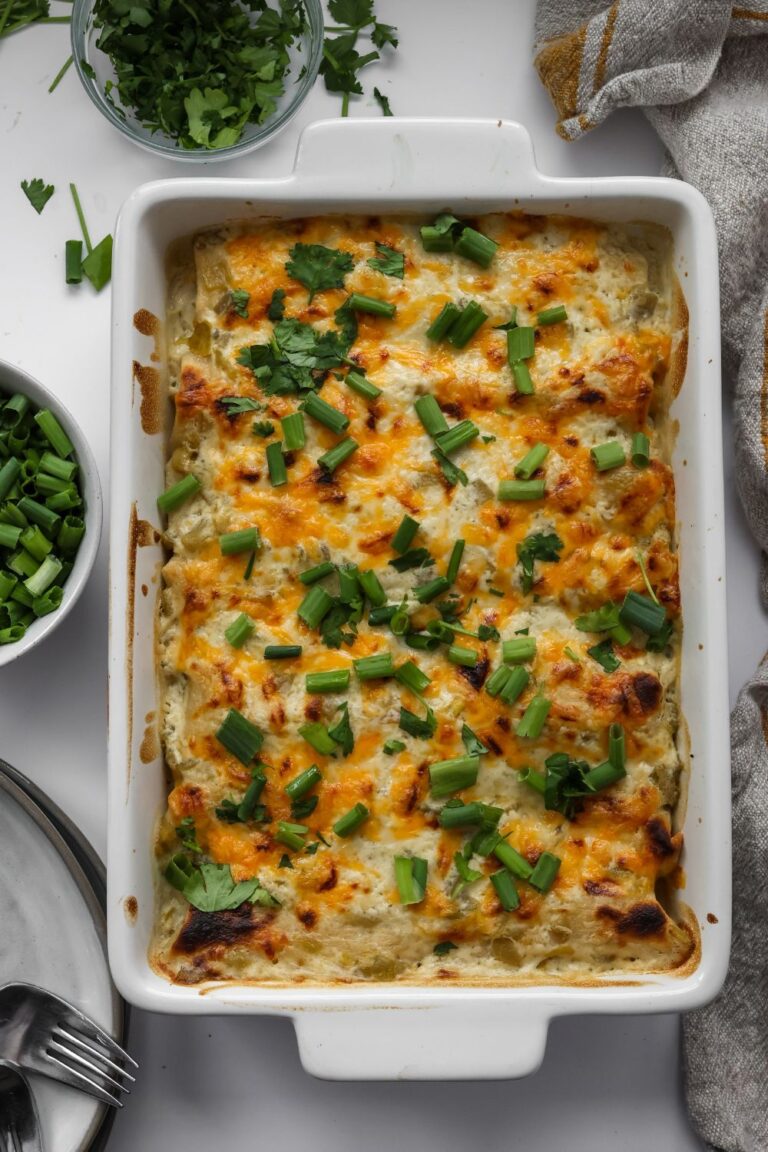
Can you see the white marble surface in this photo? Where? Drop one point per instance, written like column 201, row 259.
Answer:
column 606, row 1082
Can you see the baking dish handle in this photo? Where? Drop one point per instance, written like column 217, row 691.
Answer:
column 471, row 1042
column 401, row 157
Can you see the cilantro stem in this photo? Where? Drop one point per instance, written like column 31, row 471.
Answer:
column 345, row 104
column 5, row 14
column 81, row 218
column 61, row 73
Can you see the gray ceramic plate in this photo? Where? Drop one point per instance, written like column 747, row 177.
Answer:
column 51, row 909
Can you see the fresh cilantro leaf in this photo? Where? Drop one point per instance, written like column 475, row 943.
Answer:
column 263, row 428
column 537, row 546
column 467, row 875
column 285, row 861
column 488, row 632
column 37, row 192
column 227, row 811
column 342, row 732
column 444, row 947
column 383, row 34
column 297, row 358
column 276, row 309
column 453, row 474
column 318, row 267
column 601, row 620
column 413, row 558
column 346, row 319
column 392, row 747
column 472, row 743
column 236, row 405
column 351, row 13
column 389, row 261
column 383, row 102
column 604, row 655
column 564, row 784
column 332, row 630
column 239, row 299
column 211, row 888
column 415, row 726
column 312, row 848
column 86, row 69
column 488, row 439
column 303, row 808
column 188, row 836
column 97, row 266
column 341, row 59
column 510, row 324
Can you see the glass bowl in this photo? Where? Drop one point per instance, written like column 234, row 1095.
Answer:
column 95, row 68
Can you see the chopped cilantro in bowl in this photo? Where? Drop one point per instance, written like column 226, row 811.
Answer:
column 197, row 82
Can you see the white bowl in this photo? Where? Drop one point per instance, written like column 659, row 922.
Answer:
column 12, row 379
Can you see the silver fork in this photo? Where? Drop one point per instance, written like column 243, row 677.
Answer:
column 19, row 1125
column 42, row 1033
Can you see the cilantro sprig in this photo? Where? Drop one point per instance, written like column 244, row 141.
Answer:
column 211, row 887
column 341, row 60
column 296, row 359
column 318, row 267
column 37, row 192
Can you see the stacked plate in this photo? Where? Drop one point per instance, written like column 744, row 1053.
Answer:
column 52, row 912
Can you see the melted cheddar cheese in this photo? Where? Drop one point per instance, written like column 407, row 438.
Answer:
column 602, row 375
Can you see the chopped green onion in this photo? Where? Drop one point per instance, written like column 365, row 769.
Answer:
column 606, row 456
column 376, row 667
column 392, row 747
column 471, row 318
column 278, row 473
column 239, row 736
column 335, row 456
column 466, row 657
column 53, row 432
column 641, row 450
column 312, row 575
column 521, row 489
column 63, row 501
column 55, row 466
column 504, row 886
column 399, row 622
column 543, row 876
column 282, row 651
column 523, row 381
column 334, row 680
column 515, row 685
column 294, row 435
column 442, row 631
column 14, row 410
column 315, row 606
column 497, row 680
column 519, row 650
column 532, row 461
column 49, row 521
column 411, row 676
column 455, row 561
column 569, row 652
column 554, row 315
column 326, row 414
column 239, row 630
column 411, row 878
column 371, row 586
column 48, row 485
column 413, row 558
column 415, row 726
column 7, row 584
column 457, row 437
column 372, row 305
column 521, row 344
column 249, row 566
column 382, row 615
column 9, row 474
column 318, row 737
column 512, row 860
column 13, row 634
column 448, row 776
column 245, row 540
column 459, row 815
column 247, row 806
column 349, row 823
column 292, row 835
column 405, row 533
column 639, row 611
column 73, row 261
column 349, row 586
column 421, row 641
column 534, row 780
column 358, row 383
column 534, row 718
column 44, row 576
column 476, row 247
column 603, row 775
column 22, row 564
column 49, row 601
column 443, row 322
column 425, row 593
column 617, row 750
column 303, row 783
column 9, row 536
column 428, row 411
column 472, row 742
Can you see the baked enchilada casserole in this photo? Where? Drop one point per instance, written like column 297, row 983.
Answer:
column 419, row 626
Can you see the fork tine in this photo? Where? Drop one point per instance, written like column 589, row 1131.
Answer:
column 89, row 1030
column 76, row 1058
column 94, row 1052
column 77, row 1080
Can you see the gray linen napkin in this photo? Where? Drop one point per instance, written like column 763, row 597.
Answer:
column 699, row 70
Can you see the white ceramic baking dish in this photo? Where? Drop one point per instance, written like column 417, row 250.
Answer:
column 388, row 1032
